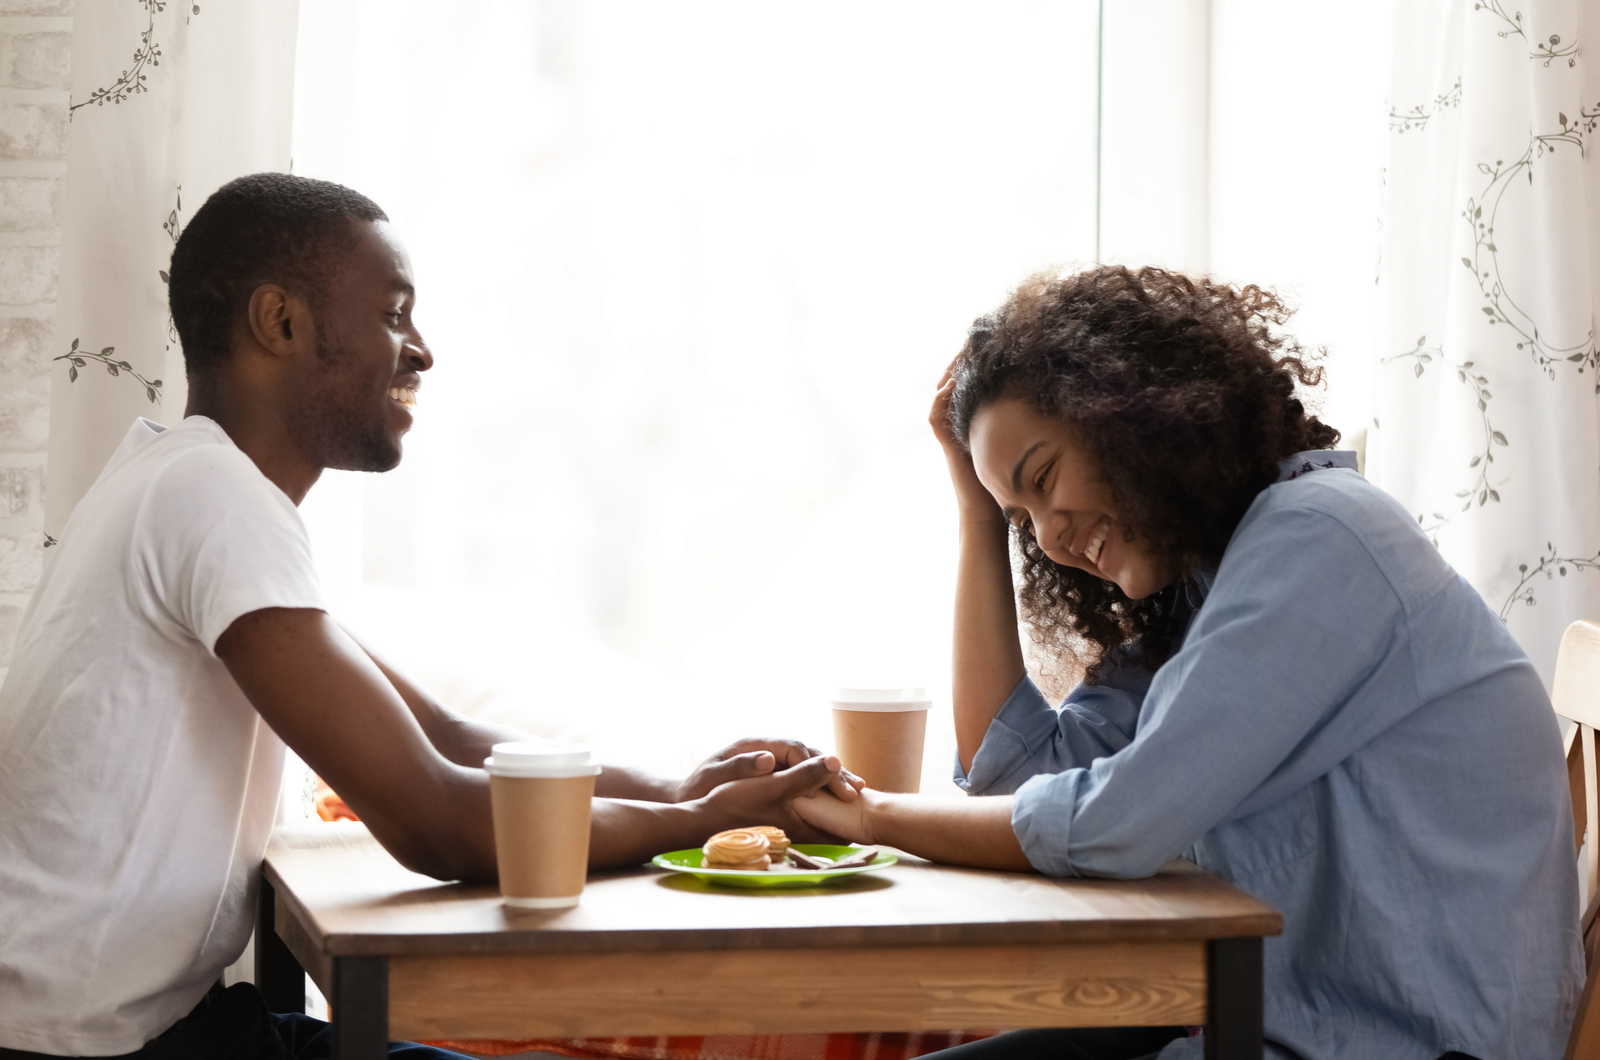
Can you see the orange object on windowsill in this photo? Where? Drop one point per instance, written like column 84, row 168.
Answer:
column 330, row 807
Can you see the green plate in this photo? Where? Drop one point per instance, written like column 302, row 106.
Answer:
column 692, row 862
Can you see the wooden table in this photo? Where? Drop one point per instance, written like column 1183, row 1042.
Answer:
column 914, row 947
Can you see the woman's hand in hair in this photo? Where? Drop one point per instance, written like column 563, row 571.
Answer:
column 974, row 500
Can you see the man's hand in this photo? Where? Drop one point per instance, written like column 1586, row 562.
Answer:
column 753, row 757
column 770, row 799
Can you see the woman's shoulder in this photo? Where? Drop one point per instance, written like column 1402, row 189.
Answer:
column 1335, row 512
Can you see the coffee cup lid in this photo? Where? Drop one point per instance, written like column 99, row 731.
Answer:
column 527, row 758
column 882, row 698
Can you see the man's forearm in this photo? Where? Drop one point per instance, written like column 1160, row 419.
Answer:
column 624, row 782
column 623, row 832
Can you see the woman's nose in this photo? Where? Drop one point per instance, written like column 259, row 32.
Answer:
column 1048, row 528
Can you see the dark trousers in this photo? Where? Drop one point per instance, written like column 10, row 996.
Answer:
column 1116, row 1043
column 234, row 1024
column 1132, row 1043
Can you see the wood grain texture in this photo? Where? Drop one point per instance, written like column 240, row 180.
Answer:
column 350, row 897
column 736, row 992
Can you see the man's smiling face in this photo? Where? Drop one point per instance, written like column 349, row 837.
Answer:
column 357, row 400
column 1044, row 478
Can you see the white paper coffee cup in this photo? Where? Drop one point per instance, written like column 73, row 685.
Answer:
column 540, row 793
column 879, row 734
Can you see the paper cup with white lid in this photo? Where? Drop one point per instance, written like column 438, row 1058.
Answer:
column 878, row 734
column 540, row 794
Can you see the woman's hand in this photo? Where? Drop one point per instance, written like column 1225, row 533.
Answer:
column 973, row 499
column 754, row 757
column 851, row 821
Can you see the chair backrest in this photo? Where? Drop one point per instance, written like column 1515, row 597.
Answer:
column 1576, row 696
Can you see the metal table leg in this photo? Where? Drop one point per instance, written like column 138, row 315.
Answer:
column 1233, row 993
column 279, row 976
column 360, row 1006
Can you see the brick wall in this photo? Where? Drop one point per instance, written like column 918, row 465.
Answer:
column 35, row 75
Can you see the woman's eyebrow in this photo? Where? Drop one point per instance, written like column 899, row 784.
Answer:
column 1016, row 472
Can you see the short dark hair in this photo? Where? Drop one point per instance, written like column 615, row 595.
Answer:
column 1184, row 392
column 263, row 228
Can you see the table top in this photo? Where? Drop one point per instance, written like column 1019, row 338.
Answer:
column 352, row 898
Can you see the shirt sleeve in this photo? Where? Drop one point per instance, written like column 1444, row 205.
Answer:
column 220, row 540
column 1028, row 737
column 1299, row 615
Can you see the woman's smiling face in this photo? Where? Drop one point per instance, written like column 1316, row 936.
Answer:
column 1043, row 477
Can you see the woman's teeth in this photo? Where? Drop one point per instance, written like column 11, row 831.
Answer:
column 1092, row 553
column 407, row 396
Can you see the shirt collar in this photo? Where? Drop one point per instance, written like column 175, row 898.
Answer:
column 1315, row 460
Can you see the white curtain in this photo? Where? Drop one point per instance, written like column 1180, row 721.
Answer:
column 170, row 99
column 1486, row 424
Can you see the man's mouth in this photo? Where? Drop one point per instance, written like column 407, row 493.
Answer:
column 405, row 395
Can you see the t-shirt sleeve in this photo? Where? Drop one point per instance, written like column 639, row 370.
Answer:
column 220, row 540
column 1300, row 614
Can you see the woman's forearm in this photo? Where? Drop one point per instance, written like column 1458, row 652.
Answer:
column 956, row 831
column 986, row 661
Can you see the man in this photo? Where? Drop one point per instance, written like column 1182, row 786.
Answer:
column 178, row 640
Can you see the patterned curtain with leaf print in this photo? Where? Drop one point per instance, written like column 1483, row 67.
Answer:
column 1486, row 426
column 170, row 100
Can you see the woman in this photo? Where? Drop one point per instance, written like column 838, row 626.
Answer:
column 1282, row 681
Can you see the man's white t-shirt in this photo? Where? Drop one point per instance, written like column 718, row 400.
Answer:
column 137, row 783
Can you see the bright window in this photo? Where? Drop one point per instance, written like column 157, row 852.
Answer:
column 690, row 272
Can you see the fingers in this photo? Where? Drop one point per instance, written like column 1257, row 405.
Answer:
column 846, row 785
column 786, row 752
column 808, row 776
column 738, row 767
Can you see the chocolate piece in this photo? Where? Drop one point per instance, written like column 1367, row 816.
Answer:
column 864, row 856
column 808, row 861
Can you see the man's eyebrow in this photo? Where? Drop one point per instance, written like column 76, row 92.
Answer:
column 404, row 287
column 1016, row 472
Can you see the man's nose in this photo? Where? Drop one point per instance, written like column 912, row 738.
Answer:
column 417, row 354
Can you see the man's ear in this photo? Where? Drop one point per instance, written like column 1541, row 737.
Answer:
column 279, row 321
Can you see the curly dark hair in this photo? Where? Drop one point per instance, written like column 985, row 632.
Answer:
column 1183, row 393
column 263, row 228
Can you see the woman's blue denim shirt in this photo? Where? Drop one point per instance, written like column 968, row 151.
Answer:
column 1349, row 734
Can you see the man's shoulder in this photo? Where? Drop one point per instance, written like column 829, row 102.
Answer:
column 198, row 462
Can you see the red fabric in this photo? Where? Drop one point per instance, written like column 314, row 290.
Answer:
column 731, row 1046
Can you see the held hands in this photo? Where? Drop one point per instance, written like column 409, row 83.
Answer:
column 754, row 757
column 772, row 798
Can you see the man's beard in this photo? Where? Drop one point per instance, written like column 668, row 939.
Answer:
column 337, row 422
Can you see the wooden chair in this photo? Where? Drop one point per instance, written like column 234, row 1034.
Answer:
column 1577, row 698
